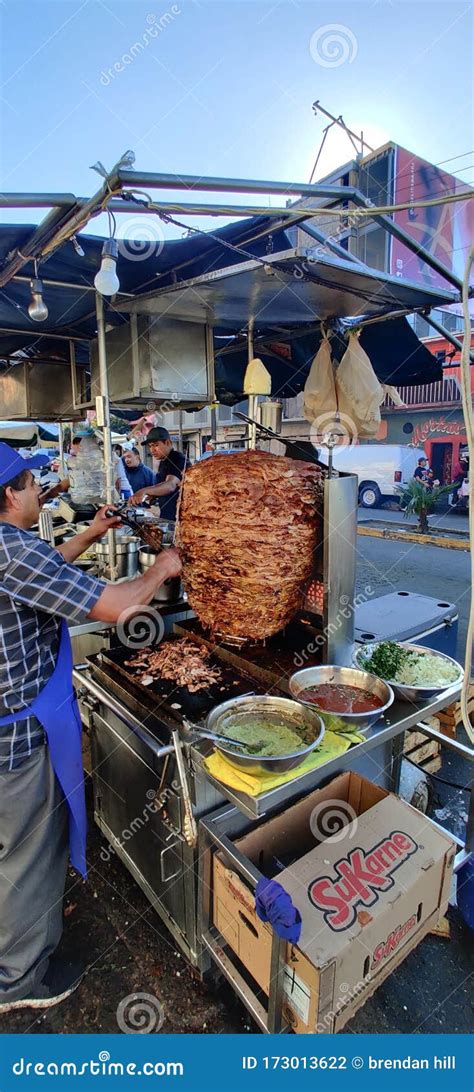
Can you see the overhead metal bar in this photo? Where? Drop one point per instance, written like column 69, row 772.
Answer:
column 331, row 243
column 38, row 200
column 33, row 247
column 60, row 225
column 116, row 205
column 142, row 180
column 403, row 237
column 35, row 334
column 446, row 334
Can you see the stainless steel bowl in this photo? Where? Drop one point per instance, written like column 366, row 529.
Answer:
column 298, row 716
column 344, row 676
column 402, row 690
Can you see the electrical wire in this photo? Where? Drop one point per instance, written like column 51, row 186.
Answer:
column 452, row 784
column 469, row 425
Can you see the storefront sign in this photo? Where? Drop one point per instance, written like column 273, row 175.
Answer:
column 435, row 424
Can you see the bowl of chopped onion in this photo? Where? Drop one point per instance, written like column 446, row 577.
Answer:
column 414, row 672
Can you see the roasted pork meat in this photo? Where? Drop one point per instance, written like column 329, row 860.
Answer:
column 249, row 524
column 183, row 661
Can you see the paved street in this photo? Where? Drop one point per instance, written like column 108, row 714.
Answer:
column 430, row 570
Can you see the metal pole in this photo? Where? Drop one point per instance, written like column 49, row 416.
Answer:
column 144, row 180
column 106, row 430
column 214, row 423
column 331, row 244
column 403, row 237
column 340, row 121
column 180, row 430
column 252, row 437
column 62, row 467
column 445, row 333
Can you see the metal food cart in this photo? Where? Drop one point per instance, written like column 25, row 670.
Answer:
column 146, row 776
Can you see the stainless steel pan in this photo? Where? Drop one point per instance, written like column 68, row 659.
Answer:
column 298, row 717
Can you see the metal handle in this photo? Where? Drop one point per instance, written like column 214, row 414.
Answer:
column 189, row 825
column 130, row 722
column 173, row 875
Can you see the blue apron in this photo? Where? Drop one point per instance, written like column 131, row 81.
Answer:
column 57, row 711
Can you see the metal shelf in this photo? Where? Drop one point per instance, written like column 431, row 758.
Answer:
column 399, row 718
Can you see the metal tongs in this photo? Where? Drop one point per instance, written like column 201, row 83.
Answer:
column 150, row 535
column 250, row 748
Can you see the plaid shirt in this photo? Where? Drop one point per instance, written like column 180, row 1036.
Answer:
column 37, row 590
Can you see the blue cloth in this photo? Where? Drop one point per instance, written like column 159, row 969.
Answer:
column 37, row 589
column 139, row 476
column 273, row 904
column 57, row 710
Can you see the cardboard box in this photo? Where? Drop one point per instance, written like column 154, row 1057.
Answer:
column 367, row 894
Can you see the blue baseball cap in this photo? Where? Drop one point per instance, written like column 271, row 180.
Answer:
column 11, row 463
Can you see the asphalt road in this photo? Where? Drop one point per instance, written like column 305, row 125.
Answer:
column 389, row 565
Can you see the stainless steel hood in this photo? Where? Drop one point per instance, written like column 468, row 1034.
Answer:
column 293, row 287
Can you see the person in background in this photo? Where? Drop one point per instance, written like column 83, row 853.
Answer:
column 41, row 774
column 167, row 481
column 459, row 475
column 74, row 449
column 118, row 449
column 422, row 471
column 137, row 473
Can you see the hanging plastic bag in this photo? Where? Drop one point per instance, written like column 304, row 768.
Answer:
column 320, row 390
column 393, row 394
column 359, row 393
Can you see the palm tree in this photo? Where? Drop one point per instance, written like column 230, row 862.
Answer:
column 419, row 501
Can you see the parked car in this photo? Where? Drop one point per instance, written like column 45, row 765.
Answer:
column 382, row 469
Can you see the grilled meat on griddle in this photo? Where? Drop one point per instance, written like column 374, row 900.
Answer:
column 183, row 661
column 249, row 524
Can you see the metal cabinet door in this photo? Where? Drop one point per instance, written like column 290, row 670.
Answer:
column 125, row 784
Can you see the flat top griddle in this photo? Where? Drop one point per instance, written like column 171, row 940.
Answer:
column 154, row 703
column 270, row 663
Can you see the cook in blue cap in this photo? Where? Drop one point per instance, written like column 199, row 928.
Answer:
column 43, row 815
column 12, row 464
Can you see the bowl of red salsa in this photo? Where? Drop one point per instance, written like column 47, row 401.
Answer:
column 356, row 698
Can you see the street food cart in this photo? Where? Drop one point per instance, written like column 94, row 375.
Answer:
column 158, row 806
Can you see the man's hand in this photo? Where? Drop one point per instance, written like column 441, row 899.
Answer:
column 138, row 496
column 170, row 560
column 102, row 523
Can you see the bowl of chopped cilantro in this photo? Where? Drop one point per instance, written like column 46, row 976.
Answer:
column 414, row 672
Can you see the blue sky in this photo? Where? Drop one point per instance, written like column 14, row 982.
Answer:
column 226, row 87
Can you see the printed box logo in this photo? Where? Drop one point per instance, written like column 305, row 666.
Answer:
column 360, row 878
column 386, row 947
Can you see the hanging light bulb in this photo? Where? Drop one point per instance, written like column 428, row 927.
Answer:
column 77, row 246
column 106, row 280
column 37, row 308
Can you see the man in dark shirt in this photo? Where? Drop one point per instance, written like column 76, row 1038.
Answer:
column 137, row 473
column 168, row 478
column 422, row 472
